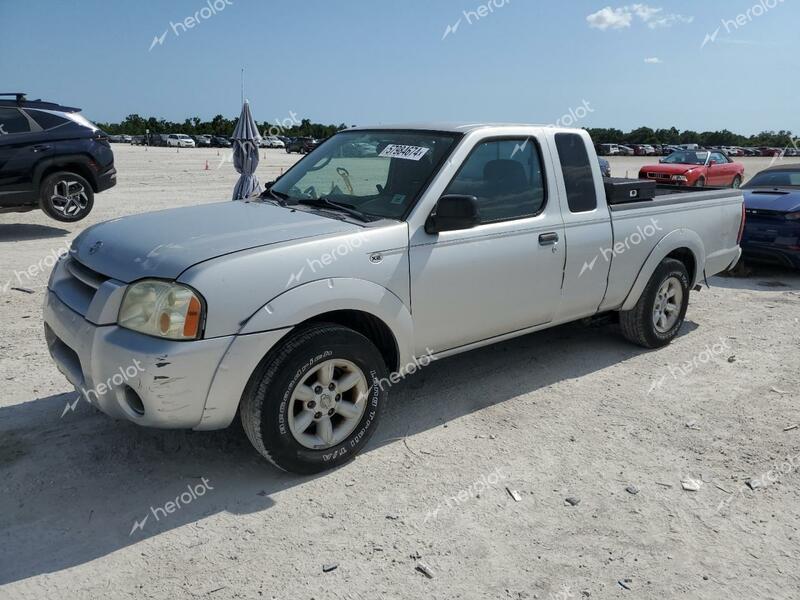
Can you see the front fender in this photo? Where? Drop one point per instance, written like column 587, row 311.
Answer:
column 326, row 295
column 680, row 238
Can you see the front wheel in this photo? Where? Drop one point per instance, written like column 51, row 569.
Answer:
column 700, row 182
column 737, row 182
column 659, row 314
column 313, row 404
column 66, row 197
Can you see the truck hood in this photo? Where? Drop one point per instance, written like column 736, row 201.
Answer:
column 165, row 243
column 781, row 200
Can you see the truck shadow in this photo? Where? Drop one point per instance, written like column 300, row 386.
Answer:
column 760, row 277
column 20, row 232
column 74, row 484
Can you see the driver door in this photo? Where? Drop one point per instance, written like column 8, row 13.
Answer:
column 503, row 275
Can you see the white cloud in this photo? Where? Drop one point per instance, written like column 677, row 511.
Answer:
column 668, row 21
column 653, row 61
column 644, row 12
column 613, row 18
column 622, row 17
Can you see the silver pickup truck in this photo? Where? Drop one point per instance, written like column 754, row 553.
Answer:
column 381, row 250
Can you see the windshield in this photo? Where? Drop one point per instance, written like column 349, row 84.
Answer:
column 773, row 179
column 379, row 173
column 686, row 157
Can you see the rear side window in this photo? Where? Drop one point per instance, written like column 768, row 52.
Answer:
column 506, row 176
column 577, row 170
column 46, row 120
column 13, row 121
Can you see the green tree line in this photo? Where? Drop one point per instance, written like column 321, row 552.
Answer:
column 219, row 125
column 645, row 135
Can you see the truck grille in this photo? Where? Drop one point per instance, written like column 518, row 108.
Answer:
column 89, row 278
column 78, row 285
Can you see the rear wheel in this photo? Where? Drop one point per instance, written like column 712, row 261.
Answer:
column 314, row 404
column 661, row 309
column 737, row 182
column 66, row 197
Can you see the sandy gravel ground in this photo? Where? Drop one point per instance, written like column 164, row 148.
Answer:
column 468, row 474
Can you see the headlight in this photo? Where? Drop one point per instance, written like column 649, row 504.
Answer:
column 162, row 309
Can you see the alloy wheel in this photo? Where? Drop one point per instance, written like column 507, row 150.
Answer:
column 327, row 404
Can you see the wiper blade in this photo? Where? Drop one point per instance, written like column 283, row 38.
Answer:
column 328, row 203
column 276, row 195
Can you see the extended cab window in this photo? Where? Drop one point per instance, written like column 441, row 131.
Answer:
column 507, row 178
column 577, row 170
column 13, row 121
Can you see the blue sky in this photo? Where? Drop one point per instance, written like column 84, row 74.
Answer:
column 376, row 61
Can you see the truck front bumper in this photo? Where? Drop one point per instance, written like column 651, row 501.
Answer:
column 149, row 381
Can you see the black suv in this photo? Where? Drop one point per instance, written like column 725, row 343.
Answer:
column 303, row 145
column 51, row 158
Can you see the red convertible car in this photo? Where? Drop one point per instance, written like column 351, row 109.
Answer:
column 698, row 168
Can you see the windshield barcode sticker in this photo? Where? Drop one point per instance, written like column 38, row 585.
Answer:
column 400, row 151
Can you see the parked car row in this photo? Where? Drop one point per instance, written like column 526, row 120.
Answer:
column 667, row 149
column 182, row 140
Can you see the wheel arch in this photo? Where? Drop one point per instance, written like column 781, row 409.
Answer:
column 684, row 245
column 364, row 306
column 77, row 163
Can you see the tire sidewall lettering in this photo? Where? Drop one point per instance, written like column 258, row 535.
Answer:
column 283, row 409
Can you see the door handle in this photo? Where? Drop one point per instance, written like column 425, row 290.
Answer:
column 41, row 148
column 548, row 239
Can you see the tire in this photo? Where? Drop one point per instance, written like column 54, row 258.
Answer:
column 269, row 408
column 700, row 182
column 736, row 183
column 639, row 325
column 66, row 196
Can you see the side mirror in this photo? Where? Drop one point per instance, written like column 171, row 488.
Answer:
column 712, row 162
column 453, row 212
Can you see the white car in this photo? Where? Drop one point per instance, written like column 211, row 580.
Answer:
column 272, row 142
column 180, row 140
